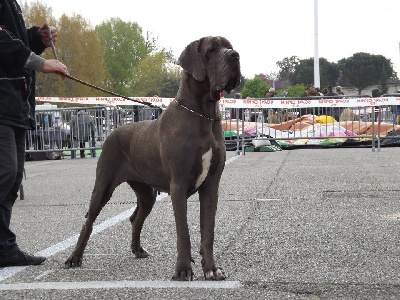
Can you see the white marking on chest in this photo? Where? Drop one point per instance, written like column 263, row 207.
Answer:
column 206, row 163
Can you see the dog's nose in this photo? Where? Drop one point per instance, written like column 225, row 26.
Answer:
column 232, row 53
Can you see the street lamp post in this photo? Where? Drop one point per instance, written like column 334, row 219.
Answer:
column 316, row 55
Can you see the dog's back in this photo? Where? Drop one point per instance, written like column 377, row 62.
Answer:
column 123, row 136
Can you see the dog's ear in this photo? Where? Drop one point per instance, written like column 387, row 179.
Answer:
column 190, row 60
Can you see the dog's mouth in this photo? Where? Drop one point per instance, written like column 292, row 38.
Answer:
column 232, row 83
column 231, row 77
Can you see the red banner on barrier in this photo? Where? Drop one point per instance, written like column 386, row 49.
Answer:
column 234, row 103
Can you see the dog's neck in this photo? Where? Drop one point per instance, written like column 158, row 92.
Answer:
column 208, row 107
column 193, row 112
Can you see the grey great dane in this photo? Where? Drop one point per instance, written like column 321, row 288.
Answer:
column 181, row 152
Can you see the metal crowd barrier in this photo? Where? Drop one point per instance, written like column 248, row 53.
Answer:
column 354, row 126
column 65, row 131
column 81, row 131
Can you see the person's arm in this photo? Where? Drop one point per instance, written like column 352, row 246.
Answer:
column 39, row 64
column 15, row 56
column 35, row 62
column 13, row 53
column 41, row 38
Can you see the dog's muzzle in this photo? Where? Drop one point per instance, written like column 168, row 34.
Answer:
column 233, row 61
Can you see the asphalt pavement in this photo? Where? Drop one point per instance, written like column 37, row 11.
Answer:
column 291, row 224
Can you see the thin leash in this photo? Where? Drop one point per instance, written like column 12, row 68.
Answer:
column 91, row 85
column 192, row 111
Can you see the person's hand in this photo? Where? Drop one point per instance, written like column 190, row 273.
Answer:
column 55, row 66
column 48, row 34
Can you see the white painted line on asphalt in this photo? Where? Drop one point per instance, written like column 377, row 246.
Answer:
column 96, row 229
column 268, row 199
column 38, row 164
column 44, row 274
column 11, row 271
column 154, row 284
column 392, row 216
column 232, row 159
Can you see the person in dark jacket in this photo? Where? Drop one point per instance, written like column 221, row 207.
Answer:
column 82, row 131
column 330, row 91
column 334, row 111
column 19, row 59
column 313, row 91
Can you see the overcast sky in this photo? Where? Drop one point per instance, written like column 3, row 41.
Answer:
column 263, row 32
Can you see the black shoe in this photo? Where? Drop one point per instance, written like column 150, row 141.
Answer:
column 21, row 259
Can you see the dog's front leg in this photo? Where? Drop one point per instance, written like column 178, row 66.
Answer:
column 183, row 268
column 208, row 207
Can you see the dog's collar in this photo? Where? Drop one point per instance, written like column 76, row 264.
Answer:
column 192, row 111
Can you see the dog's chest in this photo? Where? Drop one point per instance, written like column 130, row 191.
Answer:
column 205, row 167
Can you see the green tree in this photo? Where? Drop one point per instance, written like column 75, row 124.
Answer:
column 296, row 90
column 363, row 69
column 149, row 75
column 124, row 48
column 37, row 14
column 171, row 83
column 304, row 72
column 383, row 87
column 287, row 67
column 80, row 49
column 255, row 88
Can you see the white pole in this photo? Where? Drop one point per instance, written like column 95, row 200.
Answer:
column 316, row 55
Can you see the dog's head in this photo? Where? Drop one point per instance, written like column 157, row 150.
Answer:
column 212, row 59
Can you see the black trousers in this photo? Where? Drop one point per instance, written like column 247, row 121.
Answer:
column 12, row 160
column 82, row 144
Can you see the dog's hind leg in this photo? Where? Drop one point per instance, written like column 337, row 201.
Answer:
column 100, row 196
column 106, row 182
column 146, row 197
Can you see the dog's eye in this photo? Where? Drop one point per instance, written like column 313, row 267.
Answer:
column 213, row 47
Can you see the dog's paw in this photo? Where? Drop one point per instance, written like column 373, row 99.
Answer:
column 183, row 275
column 73, row 262
column 141, row 252
column 218, row 274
